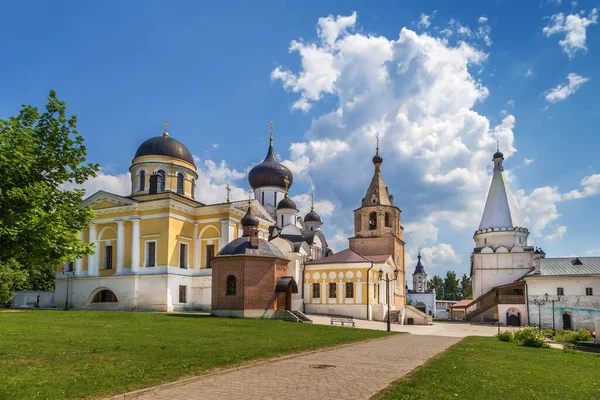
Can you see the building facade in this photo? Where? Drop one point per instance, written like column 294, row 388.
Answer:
column 421, row 297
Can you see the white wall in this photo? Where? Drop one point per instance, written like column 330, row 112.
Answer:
column 427, row 298
column 495, row 269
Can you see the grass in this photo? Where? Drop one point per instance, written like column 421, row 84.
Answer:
column 486, row 368
column 79, row 354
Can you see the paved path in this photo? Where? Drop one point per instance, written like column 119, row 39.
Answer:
column 351, row 372
column 453, row 329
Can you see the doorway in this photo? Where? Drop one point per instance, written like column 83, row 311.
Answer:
column 567, row 323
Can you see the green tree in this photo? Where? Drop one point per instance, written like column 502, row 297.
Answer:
column 451, row 286
column 466, row 291
column 11, row 276
column 437, row 283
column 40, row 152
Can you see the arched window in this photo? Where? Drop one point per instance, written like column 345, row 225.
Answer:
column 105, row 296
column 373, row 220
column 388, row 220
column 193, row 189
column 163, row 177
column 180, row 183
column 142, row 180
column 231, row 285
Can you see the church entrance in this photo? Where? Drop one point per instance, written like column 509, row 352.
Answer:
column 567, row 321
column 513, row 320
column 285, row 287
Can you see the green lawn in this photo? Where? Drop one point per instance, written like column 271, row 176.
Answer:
column 485, row 368
column 79, row 354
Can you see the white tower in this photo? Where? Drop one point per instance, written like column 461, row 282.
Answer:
column 419, row 277
column 501, row 255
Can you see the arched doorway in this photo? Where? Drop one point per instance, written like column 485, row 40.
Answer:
column 513, row 317
column 421, row 307
column 567, row 322
column 285, row 287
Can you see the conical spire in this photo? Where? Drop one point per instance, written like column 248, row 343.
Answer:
column 377, row 193
column 500, row 208
column 419, row 269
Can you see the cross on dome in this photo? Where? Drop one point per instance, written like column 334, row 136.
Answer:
column 165, row 124
column 228, row 190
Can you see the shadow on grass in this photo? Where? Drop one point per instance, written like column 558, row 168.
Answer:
column 190, row 315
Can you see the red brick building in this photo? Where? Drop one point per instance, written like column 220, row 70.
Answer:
column 250, row 276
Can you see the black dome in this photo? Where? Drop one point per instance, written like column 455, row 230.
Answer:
column 312, row 216
column 269, row 173
column 377, row 159
column 249, row 219
column 164, row 146
column 498, row 154
column 287, row 203
column 241, row 247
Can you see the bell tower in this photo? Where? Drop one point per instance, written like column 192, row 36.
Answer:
column 377, row 228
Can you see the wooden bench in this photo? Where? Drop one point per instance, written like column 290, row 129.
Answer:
column 343, row 321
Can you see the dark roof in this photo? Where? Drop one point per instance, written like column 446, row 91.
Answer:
column 419, row 269
column 249, row 219
column 269, row 173
column 287, row 203
column 377, row 159
column 241, row 247
column 312, row 216
column 164, row 146
column 498, row 154
column 283, row 283
column 565, row 266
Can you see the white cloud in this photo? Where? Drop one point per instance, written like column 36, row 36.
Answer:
column 215, row 145
column 562, row 91
column 313, row 154
column 118, row 184
column 424, row 22
column 440, row 255
column 329, row 28
column 558, row 233
column 421, row 232
column 591, row 187
column 324, row 208
column 574, row 27
column 592, row 252
column 528, row 73
column 527, row 161
column 213, row 179
column 482, row 20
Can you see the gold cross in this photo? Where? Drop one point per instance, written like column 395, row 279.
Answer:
column 165, row 133
column 249, row 197
column 271, row 128
column 286, row 181
column 377, row 150
column 228, row 189
column 312, row 201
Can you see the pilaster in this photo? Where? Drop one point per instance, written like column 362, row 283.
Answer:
column 120, row 246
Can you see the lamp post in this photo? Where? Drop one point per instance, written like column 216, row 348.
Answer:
column 553, row 324
column 387, row 290
column 540, row 303
column 69, row 274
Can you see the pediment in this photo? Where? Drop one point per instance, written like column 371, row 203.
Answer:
column 102, row 200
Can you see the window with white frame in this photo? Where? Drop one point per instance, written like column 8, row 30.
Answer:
column 589, row 291
column 316, row 290
column 180, row 183
column 151, row 253
column 182, row 294
column 183, row 255
column 560, row 291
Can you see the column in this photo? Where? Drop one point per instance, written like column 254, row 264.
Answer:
column 92, row 258
column 120, row 246
column 225, row 237
column 196, row 245
column 358, row 289
column 135, row 246
column 79, row 261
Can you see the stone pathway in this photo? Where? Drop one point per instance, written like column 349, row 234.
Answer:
column 350, row 372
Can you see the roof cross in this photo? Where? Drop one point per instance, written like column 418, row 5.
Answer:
column 271, row 128
column 286, row 181
column 312, row 201
column 165, row 133
column 228, row 190
column 377, row 149
column 249, row 197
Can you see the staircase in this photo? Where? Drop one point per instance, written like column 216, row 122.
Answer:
column 290, row 316
column 492, row 299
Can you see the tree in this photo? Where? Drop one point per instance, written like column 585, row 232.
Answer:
column 39, row 219
column 466, row 291
column 11, row 276
column 437, row 283
column 451, row 286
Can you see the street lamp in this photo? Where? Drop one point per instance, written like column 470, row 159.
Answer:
column 387, row 290
column 553, row 301
column 69, row 273
column 540, row 303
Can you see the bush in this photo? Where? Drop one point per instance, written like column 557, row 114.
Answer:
column 530, row 337
column 506, row 336
column 583, row 335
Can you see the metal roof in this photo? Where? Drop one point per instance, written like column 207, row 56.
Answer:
column 164, row 146
column 349, row 256
column 500, row 208
column 564, row 267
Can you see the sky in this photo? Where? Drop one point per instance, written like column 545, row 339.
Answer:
column 441, row 83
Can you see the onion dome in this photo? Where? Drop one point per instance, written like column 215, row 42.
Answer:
column 164, row 146
column 249, row 219
column 287, row 203
column 312, row 216
column 498, row 154
column 377, row 159
column 270, row 172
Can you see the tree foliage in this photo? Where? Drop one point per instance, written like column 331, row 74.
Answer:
column 450, row 288
column 40, row 152
column 465, row 290
column 11, row 276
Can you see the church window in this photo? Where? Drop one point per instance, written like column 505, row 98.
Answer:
column 282, row 221
column 349, row 290
column 484, row 241
column 163, row 177
column 210, row 254
column 332, row 290
column 388, row 220
column 589, row 291
column 70, row 266
column 193, row 189
column 108, row 257
column 274, row 198
column 316, row 290
column 183, row 255
column 142, row 180
column 180, row 183
column 150, row 254
column 105, row 296
column 373, row 220
column 231, row 285
column 263, row 198
column 183, row 294
column 560, row 291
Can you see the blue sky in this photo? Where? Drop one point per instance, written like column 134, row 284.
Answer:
column 439, row 81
